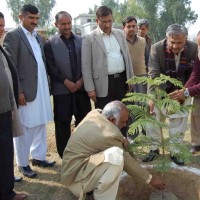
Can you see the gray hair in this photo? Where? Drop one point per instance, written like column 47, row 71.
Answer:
column 143, row 22
column 113, row 109
column 176, row 29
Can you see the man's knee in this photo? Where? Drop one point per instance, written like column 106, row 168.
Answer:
column 114, row 155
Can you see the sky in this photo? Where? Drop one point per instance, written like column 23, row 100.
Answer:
column 76, row 7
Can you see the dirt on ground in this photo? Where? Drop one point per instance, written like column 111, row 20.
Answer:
column 47, row 186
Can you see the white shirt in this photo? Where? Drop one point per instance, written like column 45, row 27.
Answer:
column 115, row 60
column 38, row 111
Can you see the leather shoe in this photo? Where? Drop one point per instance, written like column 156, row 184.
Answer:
column 177, row 161
column 194, row 149
column 42, row 163
column 17, row 179
column 20, row 197
column 151, row 155
column 27, row 171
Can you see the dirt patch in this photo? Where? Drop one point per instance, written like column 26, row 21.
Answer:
column 185, row 185
column 47, row 185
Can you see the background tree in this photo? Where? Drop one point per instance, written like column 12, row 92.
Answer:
column 44, row 6
column 160, row 13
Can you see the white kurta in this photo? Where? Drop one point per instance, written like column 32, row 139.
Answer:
column 39, row 111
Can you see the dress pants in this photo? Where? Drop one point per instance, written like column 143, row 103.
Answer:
column 104, row 182
column 117, row 89
column 6, row 157
column 33, row 143
column 195, row 130
column 177, row 125
column 65, row 106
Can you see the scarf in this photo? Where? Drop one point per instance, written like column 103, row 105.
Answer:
column 171, row 67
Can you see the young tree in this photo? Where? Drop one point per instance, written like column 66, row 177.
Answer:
column 162, row 13
column 44, row 6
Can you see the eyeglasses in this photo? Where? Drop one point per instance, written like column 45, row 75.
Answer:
column 106, row 22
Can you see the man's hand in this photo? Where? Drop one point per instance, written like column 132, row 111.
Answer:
column 178, row 95
column 79, row 84
column 158, row 184
column 92, row 95
column 130, row 88
column 125, row 143
column 70, row 85
column 151, row 107
column 22, row 100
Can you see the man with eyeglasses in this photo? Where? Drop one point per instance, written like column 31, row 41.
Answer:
column 174, row 56
column 106, row 63
column 136, row 45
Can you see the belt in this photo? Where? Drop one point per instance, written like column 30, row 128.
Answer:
column 117, row 75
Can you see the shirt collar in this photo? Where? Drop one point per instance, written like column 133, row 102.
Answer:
column 135, row 38
column 33, row 33
column 71, row 35
column 102, row 33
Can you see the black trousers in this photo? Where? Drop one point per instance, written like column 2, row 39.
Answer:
column 117, row 89
column 65, row 106
column 6, row 157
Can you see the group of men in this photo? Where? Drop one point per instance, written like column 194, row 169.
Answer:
column 93, row 68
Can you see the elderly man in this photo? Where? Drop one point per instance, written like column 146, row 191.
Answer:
column 106, row 63
column 192, row 88
column 95, row 157
column 174, row 57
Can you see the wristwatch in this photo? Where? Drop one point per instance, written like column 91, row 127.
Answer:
column 186, row 93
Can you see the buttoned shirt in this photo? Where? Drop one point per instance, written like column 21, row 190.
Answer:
column 115, row 59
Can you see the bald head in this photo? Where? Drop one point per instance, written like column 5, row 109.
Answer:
column 117, row 113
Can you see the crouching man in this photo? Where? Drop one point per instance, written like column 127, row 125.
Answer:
column 95, row 157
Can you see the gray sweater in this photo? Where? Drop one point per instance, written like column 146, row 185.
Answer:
column 6, row 96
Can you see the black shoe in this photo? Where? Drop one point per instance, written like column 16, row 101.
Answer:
column 151, row 155
column 194, row 149
column 42, row 163
column 89, row 196
column 20, row 197
column 177, row 161
column 17, row 179
column 27, row 171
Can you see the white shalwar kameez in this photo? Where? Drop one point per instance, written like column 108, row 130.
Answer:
column 35, row 115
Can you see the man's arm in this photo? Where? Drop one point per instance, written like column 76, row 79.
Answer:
column 12, row 47
column 87, row 68
column 154, row 63
column 53, row 71
column 132, row 168
column 193, row 84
